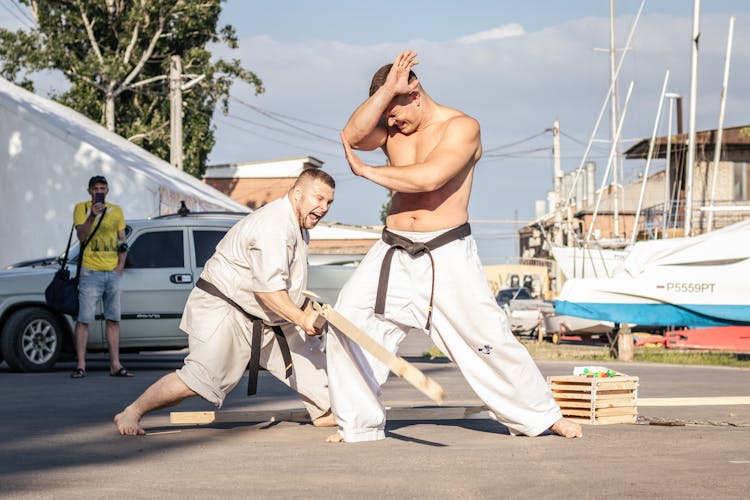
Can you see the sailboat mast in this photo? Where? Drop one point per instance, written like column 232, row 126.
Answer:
column 649, row 157
column 691, row 127
column 613, row 112
column 720, row 130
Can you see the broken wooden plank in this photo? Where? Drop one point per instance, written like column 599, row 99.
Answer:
column 300, row 415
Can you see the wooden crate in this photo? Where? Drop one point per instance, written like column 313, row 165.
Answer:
column 595, row 400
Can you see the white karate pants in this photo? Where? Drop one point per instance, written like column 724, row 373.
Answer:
column 467, row 325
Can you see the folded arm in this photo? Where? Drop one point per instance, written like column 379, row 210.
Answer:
column 456, row 150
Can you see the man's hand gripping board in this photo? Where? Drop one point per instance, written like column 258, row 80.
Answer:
column 396, row 364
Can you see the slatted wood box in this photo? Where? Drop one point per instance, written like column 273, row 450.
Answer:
column 596, row 400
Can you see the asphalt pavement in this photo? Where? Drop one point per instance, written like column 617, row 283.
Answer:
column 57, row 440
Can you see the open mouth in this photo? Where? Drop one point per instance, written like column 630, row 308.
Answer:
column 313, row 218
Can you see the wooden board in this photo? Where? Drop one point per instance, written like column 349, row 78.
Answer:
column 300, row 415
column 696, row 401
column 396, row 364
column 596, row 400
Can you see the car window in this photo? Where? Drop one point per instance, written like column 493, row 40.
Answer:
column 155, row 250
column 205, row 242
column 504, row 296
column 523, row 293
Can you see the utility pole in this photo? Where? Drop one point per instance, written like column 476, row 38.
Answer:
column 691, row 118
column 556, row 159
column 558, row 175
column 175, row 112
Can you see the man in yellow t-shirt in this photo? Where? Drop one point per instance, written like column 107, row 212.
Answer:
column 101, row 270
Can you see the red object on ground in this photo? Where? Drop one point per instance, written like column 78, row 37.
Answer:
column 571, row 337
column 719, row 338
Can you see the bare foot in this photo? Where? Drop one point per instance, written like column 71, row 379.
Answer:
column 335, row 438
column 128, row 424
column 325, row 420
column 566, row 428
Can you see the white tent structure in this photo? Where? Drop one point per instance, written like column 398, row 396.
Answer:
column 47, row 154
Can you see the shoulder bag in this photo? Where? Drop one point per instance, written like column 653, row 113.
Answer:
column 61, row 294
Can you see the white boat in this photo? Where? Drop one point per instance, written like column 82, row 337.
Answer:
column 562, row 324
column 698, row 281
column 581, row 262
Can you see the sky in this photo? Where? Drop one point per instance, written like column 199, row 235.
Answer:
column 514, row 66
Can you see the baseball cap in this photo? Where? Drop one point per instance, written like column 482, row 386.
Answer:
column 97, row 179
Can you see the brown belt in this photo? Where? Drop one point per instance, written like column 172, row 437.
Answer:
column 254, row 364
column 414, row 249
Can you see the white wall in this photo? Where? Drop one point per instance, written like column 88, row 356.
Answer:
column 47, row 154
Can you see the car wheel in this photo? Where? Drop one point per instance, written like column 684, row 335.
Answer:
column 32, row 340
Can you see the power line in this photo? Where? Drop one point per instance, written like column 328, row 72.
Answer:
column 515, row 153
column 307, row 122
column 23, row 12
column 20, row 20
column 272, row 117
column 266, row 126
column 278, row 141
column 520, row 141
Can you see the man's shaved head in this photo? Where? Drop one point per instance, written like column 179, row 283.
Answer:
column 312, row 174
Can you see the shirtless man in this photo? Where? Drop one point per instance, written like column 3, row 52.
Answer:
column 425, row 273
column 247, row 306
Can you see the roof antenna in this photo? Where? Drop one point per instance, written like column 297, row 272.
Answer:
column 183, row 210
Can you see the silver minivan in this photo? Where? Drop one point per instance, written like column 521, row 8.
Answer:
column 166, row 255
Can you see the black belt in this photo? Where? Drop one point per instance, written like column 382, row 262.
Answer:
column 254, row 365
column 414, row 249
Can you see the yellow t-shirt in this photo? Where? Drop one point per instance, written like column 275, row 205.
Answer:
column 101, row 251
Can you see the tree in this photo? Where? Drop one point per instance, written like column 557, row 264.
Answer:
column 116, row 54
column 385, row 208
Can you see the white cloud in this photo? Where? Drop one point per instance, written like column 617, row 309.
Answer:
column 504, row 31
column 514, row 85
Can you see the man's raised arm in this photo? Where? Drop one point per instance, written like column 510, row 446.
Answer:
column 366, row 128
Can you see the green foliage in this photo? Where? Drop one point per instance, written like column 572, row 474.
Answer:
column 386, row 208
column 119, row 51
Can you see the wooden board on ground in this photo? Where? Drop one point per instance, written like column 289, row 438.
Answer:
column 300, row 415
column 596, row 400
column 696, row 401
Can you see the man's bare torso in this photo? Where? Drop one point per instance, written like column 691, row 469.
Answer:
column 443, row 208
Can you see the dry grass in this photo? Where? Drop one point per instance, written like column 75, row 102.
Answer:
column 574, row 352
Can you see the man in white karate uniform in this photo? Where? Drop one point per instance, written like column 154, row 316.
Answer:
column 425, row 273
column 248, row 306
